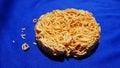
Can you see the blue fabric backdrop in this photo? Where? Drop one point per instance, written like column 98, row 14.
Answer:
column 15, row 14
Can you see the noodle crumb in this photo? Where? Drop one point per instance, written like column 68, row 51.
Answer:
column 23, row 29
column 25, row 46
column 13, row 41
column 23, row 36
column 34, row 43
column 34, row 20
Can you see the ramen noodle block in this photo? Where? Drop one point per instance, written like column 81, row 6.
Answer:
column 69, row 32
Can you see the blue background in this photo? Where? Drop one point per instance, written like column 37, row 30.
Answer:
column 15, row 14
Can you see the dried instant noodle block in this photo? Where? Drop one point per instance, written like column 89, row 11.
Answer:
column 69, row 32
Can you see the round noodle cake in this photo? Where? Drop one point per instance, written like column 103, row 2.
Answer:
column 69, row 32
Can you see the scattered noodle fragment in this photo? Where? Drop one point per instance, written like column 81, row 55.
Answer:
column 34, row 43
column 34, row 20
column 23, row 29
column 23, row 36
column 25, row 46
column 13, row 41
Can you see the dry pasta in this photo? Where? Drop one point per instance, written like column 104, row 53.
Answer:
column 69, row 31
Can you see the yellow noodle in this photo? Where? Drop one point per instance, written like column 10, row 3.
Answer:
column 60, row 27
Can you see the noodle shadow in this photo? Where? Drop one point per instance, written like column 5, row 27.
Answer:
column 61, row 58
column 91, row 51
column 55, row 58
